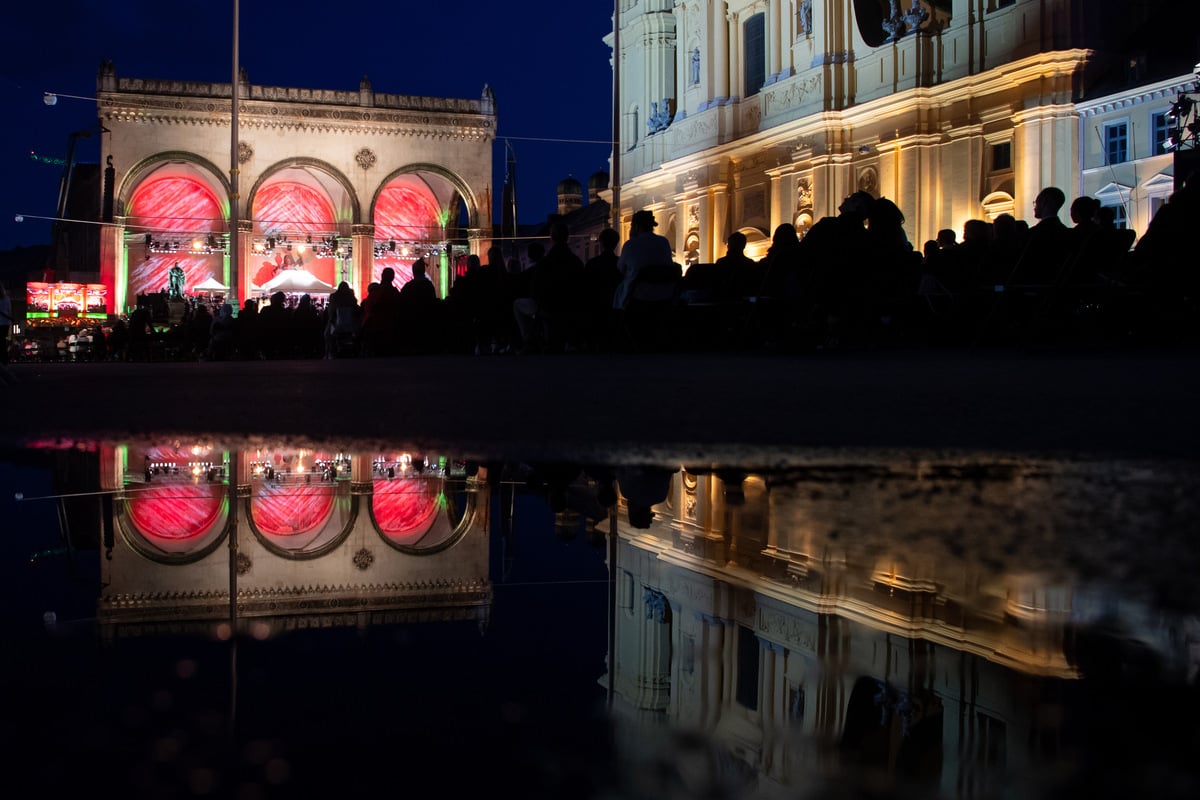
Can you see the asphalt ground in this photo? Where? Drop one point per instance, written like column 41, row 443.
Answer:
column 660, row 408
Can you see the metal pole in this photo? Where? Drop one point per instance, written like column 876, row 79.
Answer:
column 616, row 121
column 235, row 85
column 612, row 606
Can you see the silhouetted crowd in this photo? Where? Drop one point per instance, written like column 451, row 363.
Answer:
column 853, row 279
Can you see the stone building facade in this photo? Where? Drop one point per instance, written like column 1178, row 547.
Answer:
column 338, row 183
column 740, row 115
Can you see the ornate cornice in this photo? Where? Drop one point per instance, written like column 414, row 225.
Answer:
column 440, row 118
column 281, row 601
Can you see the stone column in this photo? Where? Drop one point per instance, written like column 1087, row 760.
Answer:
column 775, row 41
column 719, row 64
column 734, row 71
column 718, row 214
column 362, row 240
column 240, row 274
column 112, row 263
column 713, row 671
column 777, row 212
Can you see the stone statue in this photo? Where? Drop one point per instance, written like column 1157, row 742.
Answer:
column 660, row 116
column 898, row 23
column 806, row 17
column 696, row 66
column 175, row 279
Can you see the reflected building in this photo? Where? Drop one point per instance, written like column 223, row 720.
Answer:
column 301, row 537
column 915, row 617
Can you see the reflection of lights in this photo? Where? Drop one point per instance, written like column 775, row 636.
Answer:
column 196, row 470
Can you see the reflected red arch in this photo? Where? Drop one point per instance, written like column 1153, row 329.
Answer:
column 404, row 509
column 291, row 510
column 177, row 513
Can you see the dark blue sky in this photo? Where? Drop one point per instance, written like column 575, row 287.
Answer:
column 544, row 59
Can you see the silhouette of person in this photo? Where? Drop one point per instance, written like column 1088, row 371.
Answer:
column 524, row 307
column 557, row 293
column 737, row 275
column 221, row 334
column 600, row 280
column 307, row 335
column 644, row 248
column 835, row 249
column 274, row 326
column 381, row 316
column 245, row 330
column 1048, row 245
column 417, row 302
column 644, row 487
column 342, row 319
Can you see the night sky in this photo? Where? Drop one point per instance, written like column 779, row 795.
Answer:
column 545, row 61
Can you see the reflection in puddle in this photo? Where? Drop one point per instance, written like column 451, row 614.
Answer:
column 940, row 625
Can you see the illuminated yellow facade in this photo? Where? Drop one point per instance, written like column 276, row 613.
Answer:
column 746, row 114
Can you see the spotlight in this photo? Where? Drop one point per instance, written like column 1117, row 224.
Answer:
column 18, row 218
column 49, row 98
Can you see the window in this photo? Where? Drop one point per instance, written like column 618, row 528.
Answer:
column 1116, row 143
column 1155, row 204
column 747, row 668
column 991, row 741
column 1001, row 156
column 1120, row 218
column 755, row 36
column 1160, row 132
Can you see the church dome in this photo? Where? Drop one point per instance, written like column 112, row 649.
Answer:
column 570, row 195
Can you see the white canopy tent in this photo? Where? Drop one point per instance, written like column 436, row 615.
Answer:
column 295, row 281
column 210, row 285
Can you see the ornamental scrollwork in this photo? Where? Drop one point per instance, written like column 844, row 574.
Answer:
column 365, row 158
column 363, row 559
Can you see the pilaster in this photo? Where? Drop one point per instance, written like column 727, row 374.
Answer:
column 362, row 241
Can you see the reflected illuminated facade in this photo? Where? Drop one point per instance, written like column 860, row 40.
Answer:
column 742, row 115
column 305, row 538
column 866, row 609
column 339, row 184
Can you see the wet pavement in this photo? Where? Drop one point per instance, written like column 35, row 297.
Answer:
column 934, row 574
column 646, row 405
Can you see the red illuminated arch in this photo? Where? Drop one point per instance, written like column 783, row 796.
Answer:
column 173, row 208
column 405, row 508
column 175, row 513
column 283, row 510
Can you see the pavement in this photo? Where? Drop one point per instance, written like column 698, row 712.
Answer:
column 736, row 408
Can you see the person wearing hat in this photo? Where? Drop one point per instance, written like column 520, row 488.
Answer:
column 644, row 248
